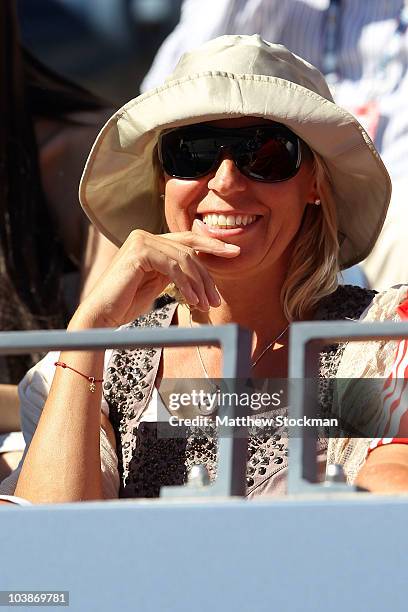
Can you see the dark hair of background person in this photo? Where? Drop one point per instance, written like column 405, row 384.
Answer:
column 31, row 256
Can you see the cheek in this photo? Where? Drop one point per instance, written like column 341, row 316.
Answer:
column 286, row 205
column 293, row 219
column 180, row 203
column 293, row 197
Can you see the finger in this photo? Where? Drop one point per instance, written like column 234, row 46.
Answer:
column 207, row 291
column 204, row 243
column 199, row 278
column 169, row 264
column 196, row 285
column 211, row 290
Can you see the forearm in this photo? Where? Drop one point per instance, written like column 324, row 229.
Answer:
column 97, row 255
column 9, row 409
column 385, row 470
column 385, row 478
column 63, row 461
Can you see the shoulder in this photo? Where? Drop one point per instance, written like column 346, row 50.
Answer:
column 384, row 305
column 347, row 302
column 374, row 359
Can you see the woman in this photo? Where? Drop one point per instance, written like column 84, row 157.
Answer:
column 241, row 175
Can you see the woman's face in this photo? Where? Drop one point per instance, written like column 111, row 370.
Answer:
column 273, row 212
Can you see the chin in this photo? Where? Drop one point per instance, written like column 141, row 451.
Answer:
column 238, row 267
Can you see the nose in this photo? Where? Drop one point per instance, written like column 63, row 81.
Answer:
column 227, row 178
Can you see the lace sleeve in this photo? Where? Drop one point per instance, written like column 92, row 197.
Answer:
column 372, row 359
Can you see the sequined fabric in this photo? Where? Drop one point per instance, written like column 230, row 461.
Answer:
column 148, row 460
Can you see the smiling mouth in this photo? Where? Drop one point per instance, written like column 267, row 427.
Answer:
column 215, row 221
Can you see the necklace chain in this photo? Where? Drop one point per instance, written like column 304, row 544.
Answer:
column 253, row 364
column 278, row 337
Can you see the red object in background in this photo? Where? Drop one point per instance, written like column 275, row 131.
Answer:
column 395, row 395
column 369, row 116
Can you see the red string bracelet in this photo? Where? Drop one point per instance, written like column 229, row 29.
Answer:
column 92, row 380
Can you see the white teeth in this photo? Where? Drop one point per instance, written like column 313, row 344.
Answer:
column 228, row 221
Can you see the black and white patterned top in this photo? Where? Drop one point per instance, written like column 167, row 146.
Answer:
column 148, row 460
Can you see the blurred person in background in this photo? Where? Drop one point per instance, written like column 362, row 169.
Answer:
column 105, row 45
column 50, row 255
column 361, row 48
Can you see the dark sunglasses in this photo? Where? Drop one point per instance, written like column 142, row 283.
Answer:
column 267, row 153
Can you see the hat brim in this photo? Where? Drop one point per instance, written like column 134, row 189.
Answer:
column 118, row 191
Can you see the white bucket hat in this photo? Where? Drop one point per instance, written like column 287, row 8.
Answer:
column 234, row 76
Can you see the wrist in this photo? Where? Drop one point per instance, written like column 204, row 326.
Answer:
column 84, row 319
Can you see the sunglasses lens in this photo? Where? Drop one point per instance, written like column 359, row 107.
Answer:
column 262, row 153
column 187, row 153
column 270, row 156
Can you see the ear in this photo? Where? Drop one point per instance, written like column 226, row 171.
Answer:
column 314, row 196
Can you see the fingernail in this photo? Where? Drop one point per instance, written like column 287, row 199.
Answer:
column 215, row 298
column 231, row 247
column 193, row 298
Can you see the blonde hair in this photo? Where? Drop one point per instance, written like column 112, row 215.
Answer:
column 314, row 264
column 314, row 267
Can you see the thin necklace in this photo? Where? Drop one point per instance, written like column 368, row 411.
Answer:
column 253, row 363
